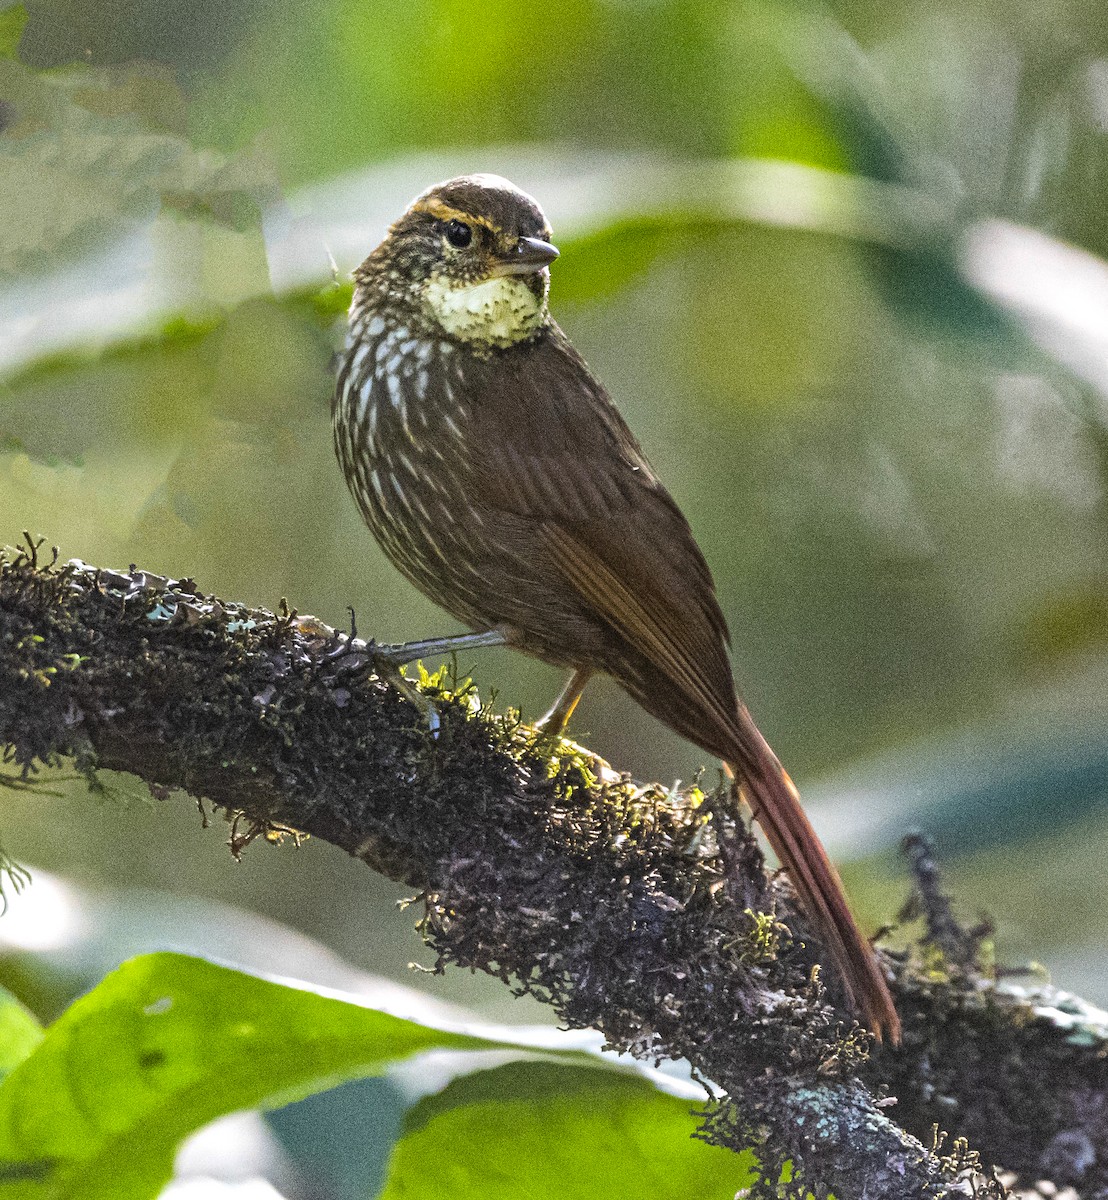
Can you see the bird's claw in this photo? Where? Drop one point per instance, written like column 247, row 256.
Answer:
column 387, row 668
column 358, row 660
column 424, row 705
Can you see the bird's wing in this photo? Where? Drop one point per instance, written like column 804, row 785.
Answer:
column 557, row 453
column 565, row 459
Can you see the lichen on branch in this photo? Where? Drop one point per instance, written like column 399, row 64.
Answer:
column 641, row 912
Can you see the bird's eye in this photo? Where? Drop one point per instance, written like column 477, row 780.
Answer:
column 458, row 234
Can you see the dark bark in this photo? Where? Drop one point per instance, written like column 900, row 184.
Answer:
column 644, row 914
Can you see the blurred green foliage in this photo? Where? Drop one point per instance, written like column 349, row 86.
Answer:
column 552, row 1132
column 898, row 474
column 20, row 1033
column 95, row 1108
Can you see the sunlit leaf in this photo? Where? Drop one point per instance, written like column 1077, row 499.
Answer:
column 12, row 21
column 164, row 1045
column 167, row 1043
column 551, row 1132
column 20, row 1033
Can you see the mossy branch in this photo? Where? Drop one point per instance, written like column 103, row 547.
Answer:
column 642, row 913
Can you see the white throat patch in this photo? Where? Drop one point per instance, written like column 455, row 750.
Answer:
column 497, row 312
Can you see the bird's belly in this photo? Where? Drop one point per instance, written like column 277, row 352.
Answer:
column 466, row 560
column 404, row 455
column 422, row 529
column 400, row 463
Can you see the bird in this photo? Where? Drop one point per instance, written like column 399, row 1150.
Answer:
column 500, row 478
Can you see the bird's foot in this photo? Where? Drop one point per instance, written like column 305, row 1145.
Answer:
column 356, row 660
column 360, row 659
column 388, row 670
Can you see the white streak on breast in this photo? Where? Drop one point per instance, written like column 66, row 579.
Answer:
column 377, row 485
column 395, row 396
column 364, row 396
column 398, row 491
column 372, row 433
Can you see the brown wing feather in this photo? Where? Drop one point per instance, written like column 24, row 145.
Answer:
column 604, row 521
column 671, row 620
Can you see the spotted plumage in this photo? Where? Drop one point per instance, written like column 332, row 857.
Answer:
column 500, row 478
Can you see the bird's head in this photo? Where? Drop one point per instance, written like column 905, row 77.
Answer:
column 469, row 258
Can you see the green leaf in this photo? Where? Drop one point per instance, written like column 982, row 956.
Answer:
column 164, row 1045
column 20, row 1033
column 553, row 1132
column 324, row 303
column 12, row 21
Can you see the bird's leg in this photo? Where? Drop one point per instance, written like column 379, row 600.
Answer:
column 406, row 652
column 555, row 721
column 549, row 729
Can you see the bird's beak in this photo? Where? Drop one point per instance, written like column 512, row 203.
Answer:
column 530, row 255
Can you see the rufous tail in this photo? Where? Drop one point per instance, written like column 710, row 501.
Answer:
column 775, row 804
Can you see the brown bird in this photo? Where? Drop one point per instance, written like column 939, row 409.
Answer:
column 500, row 478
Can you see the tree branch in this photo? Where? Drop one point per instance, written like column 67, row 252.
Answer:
column 633, row 910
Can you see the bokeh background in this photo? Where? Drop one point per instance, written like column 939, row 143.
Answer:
column 840, row 264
